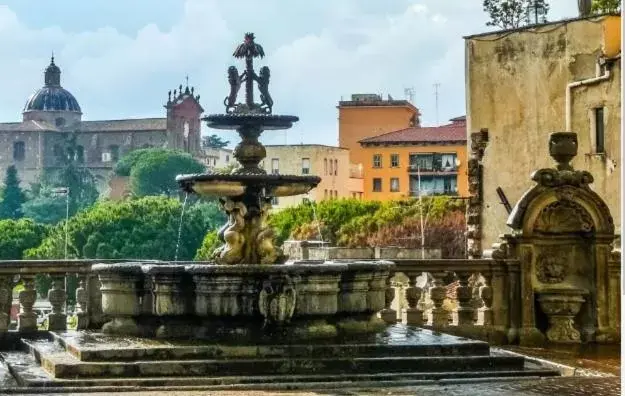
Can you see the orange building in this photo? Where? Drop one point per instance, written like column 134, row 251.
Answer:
column 368, row 115
column 432, row 160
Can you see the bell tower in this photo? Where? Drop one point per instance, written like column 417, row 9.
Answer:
column 183, row 119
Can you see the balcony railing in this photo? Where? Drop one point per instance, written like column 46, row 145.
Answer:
column 432, row 169
column 434, row 193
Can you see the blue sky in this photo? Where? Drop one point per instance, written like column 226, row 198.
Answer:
column 119, row 58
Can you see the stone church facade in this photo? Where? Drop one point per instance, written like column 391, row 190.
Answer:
column 51, row 113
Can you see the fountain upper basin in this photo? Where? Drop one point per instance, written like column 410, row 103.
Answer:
column 259, row 121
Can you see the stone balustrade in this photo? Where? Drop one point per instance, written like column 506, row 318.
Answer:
column 473, row 298
column 24, row 272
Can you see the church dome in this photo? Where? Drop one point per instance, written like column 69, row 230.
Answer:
column 52, row 97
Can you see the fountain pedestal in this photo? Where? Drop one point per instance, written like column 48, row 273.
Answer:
column 561, row 306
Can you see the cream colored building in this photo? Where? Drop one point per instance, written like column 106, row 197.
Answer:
column 527, row 83
column 215, row 158
column 331, row 164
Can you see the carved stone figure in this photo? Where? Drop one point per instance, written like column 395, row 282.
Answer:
column 276, row 301
column 263, row 86
column 234, row 237
column 235, row 84
column 552, row 265
column 264, row 240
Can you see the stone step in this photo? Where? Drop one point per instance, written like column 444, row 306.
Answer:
column 29, row 374
column 63, row 365
column 186, row 351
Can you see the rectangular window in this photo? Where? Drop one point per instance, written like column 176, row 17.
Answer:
column 377, row 185
column 80, row 154
column 305, row 166
column 114, row 150
column 274, row 201
column 394, row 184
column 599, row 131
column 275, row 166
column 19, row 151
column 394, row 160
column 377, row 160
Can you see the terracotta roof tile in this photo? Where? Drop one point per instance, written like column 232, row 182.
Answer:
column 137, row 124
column 128, row 125
column 455, row 132
column 28, row 126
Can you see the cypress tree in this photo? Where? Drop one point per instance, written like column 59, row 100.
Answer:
column 12, row 196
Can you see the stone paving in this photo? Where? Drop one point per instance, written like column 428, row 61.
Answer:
column 566, row 386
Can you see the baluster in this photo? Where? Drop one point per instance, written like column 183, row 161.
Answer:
column 6, row 299
column 388, row 314
column 27, row 319
column 485, row 313
column 414, row 315
column 463, row 314
column 438, row 292
column 57, row 319
column 82, row 297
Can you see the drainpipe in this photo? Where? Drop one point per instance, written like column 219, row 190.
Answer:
column 601, row 64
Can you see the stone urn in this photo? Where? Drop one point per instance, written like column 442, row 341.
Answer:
column 561, row 306
column 563, row 148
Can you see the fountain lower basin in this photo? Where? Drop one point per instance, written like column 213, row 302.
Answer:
column 298, row 300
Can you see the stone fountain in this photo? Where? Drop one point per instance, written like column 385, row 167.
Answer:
column 249, row 290
column 250, row 318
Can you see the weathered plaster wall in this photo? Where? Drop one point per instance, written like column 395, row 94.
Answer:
column 515, row 87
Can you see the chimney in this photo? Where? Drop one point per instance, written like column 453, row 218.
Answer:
column 585, row 7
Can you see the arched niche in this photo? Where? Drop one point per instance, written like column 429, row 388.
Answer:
column 563, row 235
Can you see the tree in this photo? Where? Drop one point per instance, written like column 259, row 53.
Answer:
column 145, row 228
column 45, row 207
column 214, row 141
column 12, row 196
column 18, row 236
column 511, row 14
column 606, row 6
column 48, row 207
column 154, row 172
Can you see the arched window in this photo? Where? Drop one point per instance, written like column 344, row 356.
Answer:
column 331, row 172
column 325, row 166
column 336, row 167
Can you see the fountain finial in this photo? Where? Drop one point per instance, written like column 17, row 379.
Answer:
column 563, row 148
column 249, row 50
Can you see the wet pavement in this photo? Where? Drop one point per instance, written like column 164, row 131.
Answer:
column 564, row 386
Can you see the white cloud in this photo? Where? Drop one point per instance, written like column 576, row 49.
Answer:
column 317, row 54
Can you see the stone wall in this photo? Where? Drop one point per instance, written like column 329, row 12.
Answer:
column 317, row 250
column 516, row 87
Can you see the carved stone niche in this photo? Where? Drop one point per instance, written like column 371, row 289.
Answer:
column 562, row 236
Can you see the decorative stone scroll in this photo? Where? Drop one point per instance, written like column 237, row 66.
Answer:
column 479, row 140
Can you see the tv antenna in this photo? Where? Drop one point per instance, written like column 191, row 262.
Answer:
column 409, row 92
column 436, row 86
